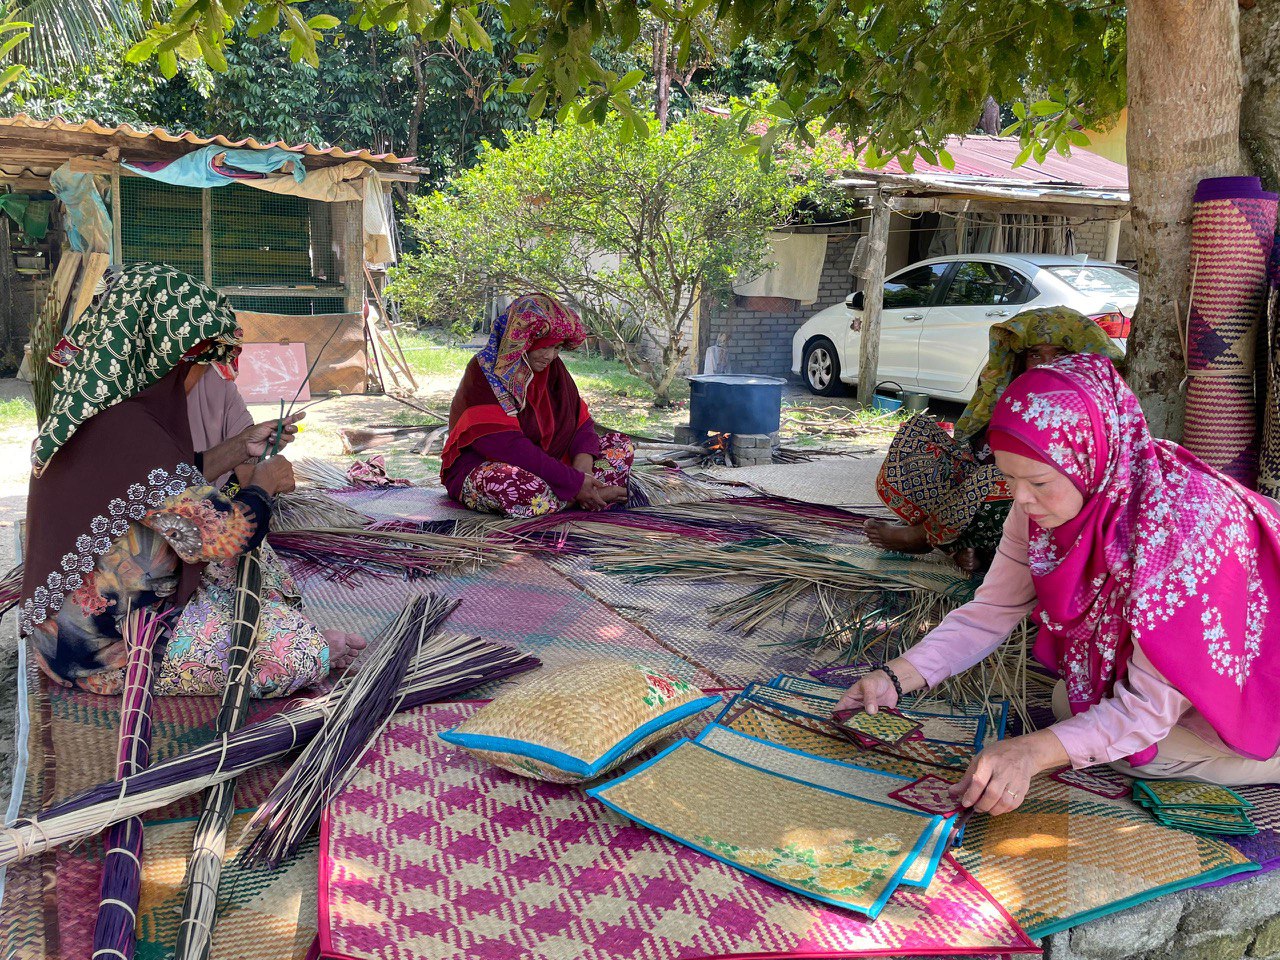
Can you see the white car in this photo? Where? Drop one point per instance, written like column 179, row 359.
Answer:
column 936, row 316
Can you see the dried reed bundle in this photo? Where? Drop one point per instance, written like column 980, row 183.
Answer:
column 320, row 473
column 664, row 487
column 115, row 934
column 329, row 761
column 10, row 589
column 308, row 510
column 445, row 667
column 338, row 553
column 204, row 872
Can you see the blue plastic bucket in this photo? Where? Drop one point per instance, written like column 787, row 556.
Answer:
column 886, row 404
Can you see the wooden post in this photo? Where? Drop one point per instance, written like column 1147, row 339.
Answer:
column 7, row 274
column 117, row 229
column 206, row 232
column 873, row 293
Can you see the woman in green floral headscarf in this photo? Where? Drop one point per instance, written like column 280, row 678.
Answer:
column 947, row 490
column 120, row 514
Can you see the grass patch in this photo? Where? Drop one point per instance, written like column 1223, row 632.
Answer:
column 17, row 413
column 430, row 356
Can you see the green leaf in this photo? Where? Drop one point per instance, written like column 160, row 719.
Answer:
column 11, row 73
column 1077, row 138
column 323, row 22
column 632, row 78
column 944, row 157
column 477, row 36
column 1020, row 110
column 1023, row 155
column 1046, row 108
column 167, row 61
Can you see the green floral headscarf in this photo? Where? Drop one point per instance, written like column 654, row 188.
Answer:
column 1052, row 326
column 148, row 319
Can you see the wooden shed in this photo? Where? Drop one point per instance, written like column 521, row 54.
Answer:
column 282, row 230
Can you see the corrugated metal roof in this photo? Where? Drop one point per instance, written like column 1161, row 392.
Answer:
column 988, row 156
column 46, row 140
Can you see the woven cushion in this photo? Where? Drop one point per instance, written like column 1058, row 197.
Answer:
column 578, row 722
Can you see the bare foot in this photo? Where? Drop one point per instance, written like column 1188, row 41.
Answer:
column 344, row 649
column 891, row 535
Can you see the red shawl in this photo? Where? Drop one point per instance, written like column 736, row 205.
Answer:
column 551, row 416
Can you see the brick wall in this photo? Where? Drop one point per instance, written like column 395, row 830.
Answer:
column 760, row 339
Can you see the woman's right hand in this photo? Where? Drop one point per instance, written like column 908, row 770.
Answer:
column 273, row 476
column 591, row 494
column 870, row 693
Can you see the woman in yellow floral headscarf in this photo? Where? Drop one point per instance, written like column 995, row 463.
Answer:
column 947, row 490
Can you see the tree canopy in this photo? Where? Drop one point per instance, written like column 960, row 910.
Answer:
column 634, row 233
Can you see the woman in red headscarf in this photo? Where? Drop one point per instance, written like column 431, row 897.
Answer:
column 521, row 440
column 1153, row 579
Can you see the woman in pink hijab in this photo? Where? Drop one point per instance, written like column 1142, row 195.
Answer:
column 1155, row 582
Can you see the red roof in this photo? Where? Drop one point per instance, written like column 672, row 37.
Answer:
column 986, row 156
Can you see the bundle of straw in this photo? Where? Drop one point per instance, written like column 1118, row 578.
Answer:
column 307, row 509
column 115, row 934
column 445, row 667
column 663, row 487
column 329, row 761
column 204, row 873
column 320, row 473
column 10, row 589
column 338, row 553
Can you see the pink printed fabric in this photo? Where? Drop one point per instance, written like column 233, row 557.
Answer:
column 430, row 853
column 1167, row 552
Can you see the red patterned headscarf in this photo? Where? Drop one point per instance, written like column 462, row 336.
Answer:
column 532, row 322
column 1166, row 551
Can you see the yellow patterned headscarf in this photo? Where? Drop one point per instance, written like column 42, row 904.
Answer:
column 1060, row 327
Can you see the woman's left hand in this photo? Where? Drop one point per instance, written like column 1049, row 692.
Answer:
column 998, row 778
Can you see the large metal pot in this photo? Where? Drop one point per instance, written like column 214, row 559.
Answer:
column 733, row 403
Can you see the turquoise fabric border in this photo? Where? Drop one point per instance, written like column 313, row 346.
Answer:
column 1075, row 920
column 575, row 765
column 870, row 912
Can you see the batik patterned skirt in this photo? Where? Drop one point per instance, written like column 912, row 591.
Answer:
column 502, row 488
column 932, row 480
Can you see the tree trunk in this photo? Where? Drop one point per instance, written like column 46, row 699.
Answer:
column 662, row 74
column 1260, row 109
column 1184, row 125
column 419, row 98
column 990, row 122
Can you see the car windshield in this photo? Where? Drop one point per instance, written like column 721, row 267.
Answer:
column 1112, row 283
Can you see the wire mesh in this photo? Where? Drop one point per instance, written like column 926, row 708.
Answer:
column 266, row 238
column 293, row 306
column 161, row 223
column 257, row 238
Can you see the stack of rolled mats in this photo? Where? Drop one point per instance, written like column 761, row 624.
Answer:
column 1232, row 234
column 1198, row 807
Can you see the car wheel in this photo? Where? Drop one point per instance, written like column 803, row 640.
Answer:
column 821, row 368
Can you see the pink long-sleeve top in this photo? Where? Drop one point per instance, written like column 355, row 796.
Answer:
column 1142, row 708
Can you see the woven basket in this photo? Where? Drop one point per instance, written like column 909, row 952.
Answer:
column 580, row 721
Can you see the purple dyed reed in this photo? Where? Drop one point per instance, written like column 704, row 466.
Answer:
column 115, row 932
column 233, row 754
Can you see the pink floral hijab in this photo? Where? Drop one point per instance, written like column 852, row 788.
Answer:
column 1166, row 552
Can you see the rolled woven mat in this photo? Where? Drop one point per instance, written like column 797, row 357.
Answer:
column 1269, row 456
column 1232, row 234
